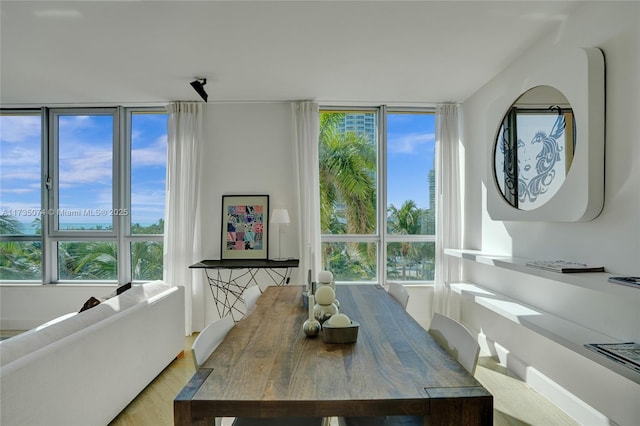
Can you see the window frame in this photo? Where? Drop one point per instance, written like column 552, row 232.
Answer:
column 120, row 234
column 381, row 238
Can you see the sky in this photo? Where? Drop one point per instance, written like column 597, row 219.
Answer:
column 85, row 168
column 410, row 153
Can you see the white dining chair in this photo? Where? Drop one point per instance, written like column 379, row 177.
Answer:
column 209, row 339
column 250, row 296
column 457, row 341
column 207, row 342
column 400, row 293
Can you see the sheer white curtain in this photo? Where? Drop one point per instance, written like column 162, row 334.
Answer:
column 183, row 225
column 306, row 133
column 448, row 208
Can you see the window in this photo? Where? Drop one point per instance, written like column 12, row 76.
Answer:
column 88, row 205
column 377, row 188
column 20, row 195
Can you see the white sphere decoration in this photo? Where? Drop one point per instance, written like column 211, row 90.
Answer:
column 325, row 277
column 325, row 295
column 324, row 312
column 339, row 320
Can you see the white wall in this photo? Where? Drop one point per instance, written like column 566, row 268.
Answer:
column 249, row 150
column 613, row 238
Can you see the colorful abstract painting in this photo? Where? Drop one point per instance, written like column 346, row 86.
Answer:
column 245, row 226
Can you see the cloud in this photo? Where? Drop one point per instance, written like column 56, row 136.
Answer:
column 153, row 155
column 90, row 166
column 20, row 128
column 21, row 156
column 408, row 143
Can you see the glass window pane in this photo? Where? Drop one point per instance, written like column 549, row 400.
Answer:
column 411, row 261
column 85, row 172
column 21, row 260
column 20, row 174
column 348, row 172
column 148, row 172
column 350, row 261
column 146, row 260
column 87, row 260
column 410, row 174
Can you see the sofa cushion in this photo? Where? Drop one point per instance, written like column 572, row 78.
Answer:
column 90, row 303
column 22, row 344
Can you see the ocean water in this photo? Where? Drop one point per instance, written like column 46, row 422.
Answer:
column 31, row 228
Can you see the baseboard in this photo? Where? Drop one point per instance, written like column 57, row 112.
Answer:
column 576, row 408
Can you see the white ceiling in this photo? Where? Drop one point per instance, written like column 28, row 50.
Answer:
column 136, row 52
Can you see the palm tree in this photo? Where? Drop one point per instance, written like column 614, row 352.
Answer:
column 19, row 260
column 347, row 181
column 347, row 177
column 88, row 260
column 404, row 221
column 9, row 225
column 146, row 260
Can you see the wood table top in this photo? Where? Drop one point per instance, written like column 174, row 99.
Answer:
column 267, row 367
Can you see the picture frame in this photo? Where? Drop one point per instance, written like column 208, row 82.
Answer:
column 245, row 227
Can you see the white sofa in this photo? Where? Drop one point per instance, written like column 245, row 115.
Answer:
column 84, row 368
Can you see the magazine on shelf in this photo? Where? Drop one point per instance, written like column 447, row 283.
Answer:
column 630, row 281
column 563, row 266
column 627, row 353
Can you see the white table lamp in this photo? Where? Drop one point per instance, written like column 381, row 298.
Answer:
column 280, row 216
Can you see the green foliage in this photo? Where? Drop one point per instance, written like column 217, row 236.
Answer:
column 79, row 260
column 347, row 179
column 20, row 260
column 153, row 229
column 146, row 260
column 9, row 225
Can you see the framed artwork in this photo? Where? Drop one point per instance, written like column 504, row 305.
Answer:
column 245, row 233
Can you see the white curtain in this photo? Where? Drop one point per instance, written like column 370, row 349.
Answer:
column 448, row 208
column 183, row 224
column 306, row 133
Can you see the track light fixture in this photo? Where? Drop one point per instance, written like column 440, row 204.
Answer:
column 198, row 85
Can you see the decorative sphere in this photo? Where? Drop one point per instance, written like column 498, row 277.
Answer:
column 325, row 277
column 324, row 312
column 325, row 295
column 339, row 320
column 311, row 327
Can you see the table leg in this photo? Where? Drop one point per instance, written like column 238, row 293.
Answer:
column 459, row 406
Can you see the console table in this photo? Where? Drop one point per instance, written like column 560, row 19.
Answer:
column 227, row 287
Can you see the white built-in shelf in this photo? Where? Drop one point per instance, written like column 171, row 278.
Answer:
column 596, row 281
column 562, row 331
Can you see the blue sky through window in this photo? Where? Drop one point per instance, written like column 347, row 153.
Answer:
column 85, row 168
column 410, row 153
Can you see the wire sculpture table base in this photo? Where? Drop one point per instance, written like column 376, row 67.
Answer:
column 232, row 277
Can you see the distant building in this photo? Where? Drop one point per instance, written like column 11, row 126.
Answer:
column 432, row 189
column 361, row 124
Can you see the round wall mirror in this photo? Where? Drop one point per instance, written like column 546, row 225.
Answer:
column 534, row 147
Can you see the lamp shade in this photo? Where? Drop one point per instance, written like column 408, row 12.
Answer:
column 280, row 216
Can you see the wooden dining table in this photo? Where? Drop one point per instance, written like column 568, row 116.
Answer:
column 267, row 367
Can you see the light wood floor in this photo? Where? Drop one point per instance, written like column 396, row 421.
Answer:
column 515, row 403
